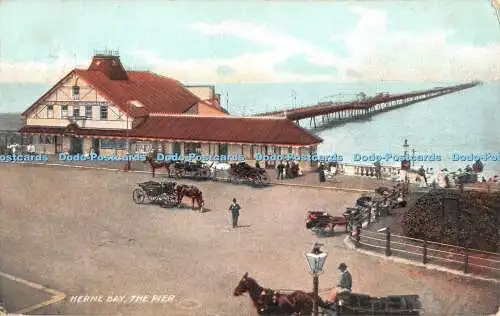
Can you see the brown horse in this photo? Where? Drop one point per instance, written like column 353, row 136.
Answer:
column 191, row 191
column 270, row 302
column 158, row 164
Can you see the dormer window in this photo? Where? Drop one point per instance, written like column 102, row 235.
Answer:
column 136, row 104
column 76, row 92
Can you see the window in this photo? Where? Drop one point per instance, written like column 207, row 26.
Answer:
column 45, row 140
column 88, row 111
column 76, row 111
column 104, row 112
column 113, row 144
column 64, row 111
column 50, row 111
column 192, row 148
column 76, row 92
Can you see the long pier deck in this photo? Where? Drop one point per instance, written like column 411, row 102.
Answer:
column 330, row 111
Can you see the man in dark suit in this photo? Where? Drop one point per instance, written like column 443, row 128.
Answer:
column 235, row 212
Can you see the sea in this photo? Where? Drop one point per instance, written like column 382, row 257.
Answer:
column 465, row 123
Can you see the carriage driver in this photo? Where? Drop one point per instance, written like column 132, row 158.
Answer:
column 345, row 284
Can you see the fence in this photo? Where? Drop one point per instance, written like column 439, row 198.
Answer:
column 474, row 261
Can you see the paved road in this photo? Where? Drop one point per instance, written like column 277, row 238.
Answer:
column 77, row 231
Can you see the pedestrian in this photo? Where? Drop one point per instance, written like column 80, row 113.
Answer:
column 279, row 170
column 257, row 164
column 421, row 172
column 321, row 172
column 235, row 212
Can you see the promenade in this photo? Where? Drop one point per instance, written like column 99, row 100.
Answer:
column 77, row 231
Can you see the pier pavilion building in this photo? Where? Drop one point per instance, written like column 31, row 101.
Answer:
column 112, row 111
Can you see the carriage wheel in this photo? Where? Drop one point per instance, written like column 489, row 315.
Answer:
column 205, row 174
column 330, row 228
column 233, row 179
column 138, row 196
column 264, row 179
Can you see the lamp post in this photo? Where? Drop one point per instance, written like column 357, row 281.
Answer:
column 407, row 168
column 128, row 166
column 316, row 259
column 413, row 157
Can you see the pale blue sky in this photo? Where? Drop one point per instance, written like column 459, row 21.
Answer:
column 255, row 41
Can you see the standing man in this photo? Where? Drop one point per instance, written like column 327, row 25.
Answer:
column 344, row 286
column 235, row 212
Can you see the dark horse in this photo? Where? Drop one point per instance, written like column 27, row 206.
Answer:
column 270, row 302
column 158, row 164
column 191, row 191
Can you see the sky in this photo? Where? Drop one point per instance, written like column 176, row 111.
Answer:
column 255, row 41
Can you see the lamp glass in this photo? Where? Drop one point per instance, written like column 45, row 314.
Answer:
column 316, row 261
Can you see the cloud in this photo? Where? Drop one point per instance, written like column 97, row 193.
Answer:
column 377, row 53
column 39, row 72
column 300, row 64
column 225, row 71
column 373, row 52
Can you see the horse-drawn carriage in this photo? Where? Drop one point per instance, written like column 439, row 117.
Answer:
column 163, row 193
column 167, row 193
column 243, row 172
column 188, row 169
column 324, row 223
column 361, row 304
column 367, row 206
column 285, row 302
column 180, row 169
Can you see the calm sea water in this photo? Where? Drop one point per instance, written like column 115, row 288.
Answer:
column 466, row 122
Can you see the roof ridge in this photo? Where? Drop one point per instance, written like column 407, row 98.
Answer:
column 162, row 114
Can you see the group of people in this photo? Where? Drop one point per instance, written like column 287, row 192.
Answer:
column 287, row 170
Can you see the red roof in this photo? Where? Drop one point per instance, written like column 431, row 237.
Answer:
column 154, row 92
column 225, row 129
column 211, row 129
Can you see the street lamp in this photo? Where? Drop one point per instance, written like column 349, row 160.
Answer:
column 406, row 165
column 413, row 157
column 316, row 259
column 128, row 165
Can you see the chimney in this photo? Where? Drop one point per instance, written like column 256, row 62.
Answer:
column 109, row 64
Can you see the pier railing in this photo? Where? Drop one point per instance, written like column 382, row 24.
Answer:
column 467, row 260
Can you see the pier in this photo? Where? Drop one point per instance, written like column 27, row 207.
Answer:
column 329, row 112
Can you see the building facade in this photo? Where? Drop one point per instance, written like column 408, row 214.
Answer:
column 111, row 111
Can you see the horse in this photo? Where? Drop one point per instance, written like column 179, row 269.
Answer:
column 158, row 164
column 270, row 302
column 191, row 191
